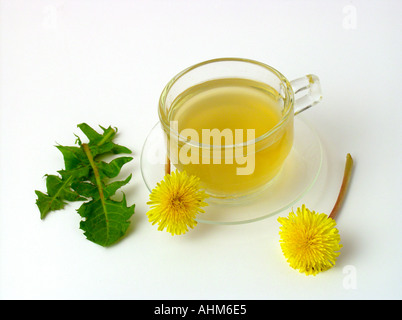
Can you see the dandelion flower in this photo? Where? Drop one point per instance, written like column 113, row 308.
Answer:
column 175, row 202
column 309, row 241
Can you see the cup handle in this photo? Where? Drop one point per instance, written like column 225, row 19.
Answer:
column 307, row 92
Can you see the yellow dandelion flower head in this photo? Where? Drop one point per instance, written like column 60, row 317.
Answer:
column 309, row 241
column 175, row 202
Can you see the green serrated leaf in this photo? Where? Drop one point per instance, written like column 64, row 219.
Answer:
column 112, row 169
column 110, row 189
column 86, row 189
column 117, row 149
column 85, row 178
column 105, row 223
column 76, row 174
column 58, row 191
column 101, row 149
column 47, row 203
column 102, row 143
column 74, row 157
column 57, row 187
column 90, row 190
column 95, row 137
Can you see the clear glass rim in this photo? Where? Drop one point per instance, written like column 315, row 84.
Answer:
column 289, row 102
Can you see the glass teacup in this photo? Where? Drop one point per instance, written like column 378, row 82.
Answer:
column 229, row 121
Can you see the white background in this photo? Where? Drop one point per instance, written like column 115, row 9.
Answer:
column 106, row 62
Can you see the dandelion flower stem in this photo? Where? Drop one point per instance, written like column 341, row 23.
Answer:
column 344, row 186
column 167, row 165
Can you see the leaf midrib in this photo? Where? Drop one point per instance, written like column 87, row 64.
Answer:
column 98, row 185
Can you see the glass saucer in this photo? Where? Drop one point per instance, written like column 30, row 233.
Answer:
column 298, row 175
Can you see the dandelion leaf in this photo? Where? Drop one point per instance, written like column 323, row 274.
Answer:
column 58, row 190
column 105, row 222
column 86, row 178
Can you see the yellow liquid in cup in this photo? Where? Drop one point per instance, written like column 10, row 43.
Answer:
column 232, row 104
